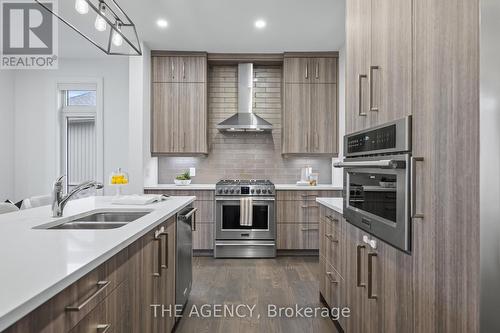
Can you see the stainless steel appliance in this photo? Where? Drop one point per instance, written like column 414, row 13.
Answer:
column 186, row 224
column 233, row 240
column 378, row 181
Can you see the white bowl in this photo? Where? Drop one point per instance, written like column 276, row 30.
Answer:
column 182, row 182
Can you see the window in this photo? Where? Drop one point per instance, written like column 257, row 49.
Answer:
column 81, row 133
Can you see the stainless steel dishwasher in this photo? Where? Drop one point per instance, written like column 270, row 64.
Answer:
column 186, row 224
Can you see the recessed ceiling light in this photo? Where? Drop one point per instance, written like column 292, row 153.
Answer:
column 260, row 24
column 162, row 23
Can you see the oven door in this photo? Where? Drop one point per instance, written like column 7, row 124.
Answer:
column 227, row 219
column 377, row 197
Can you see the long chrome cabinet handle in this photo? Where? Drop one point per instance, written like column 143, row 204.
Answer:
column 307, row 71
column 360, row 94
column 103, row 328
column 166, row 250
column 309, row 229
column 183, row 69
column 372, row 108
column 330, row 277
column 317, row 69
column 371, row 255
column 172, row 67
column 358, row 266
column 101, row 286
column 160, row 261
column 413, row 198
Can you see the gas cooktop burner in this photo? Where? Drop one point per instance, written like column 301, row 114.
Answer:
column 242, row 187
column 244, row 182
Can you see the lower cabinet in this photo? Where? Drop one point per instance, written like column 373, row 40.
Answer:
column 379, row 288
column 118, row 295
column 298, row 218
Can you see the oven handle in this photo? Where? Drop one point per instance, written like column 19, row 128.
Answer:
column 255, row 199
column 382, row 164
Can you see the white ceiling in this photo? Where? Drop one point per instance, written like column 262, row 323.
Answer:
column 224, row 25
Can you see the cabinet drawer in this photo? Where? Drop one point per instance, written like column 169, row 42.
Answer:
column 335, row 288
column 203, row 236
column 309, row 195
column 334, row 246
column 291, row 212
column 111, row 315
column 201, row 195
column 71, row 305
column 297, row 236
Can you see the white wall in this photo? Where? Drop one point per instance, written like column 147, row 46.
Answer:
column 6, row 135
column 35, row 157
column 143, row 169
column 490, row 166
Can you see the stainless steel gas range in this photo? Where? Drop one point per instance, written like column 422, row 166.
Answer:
column 234, row 240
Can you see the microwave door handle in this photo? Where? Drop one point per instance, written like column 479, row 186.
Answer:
column 382, row 164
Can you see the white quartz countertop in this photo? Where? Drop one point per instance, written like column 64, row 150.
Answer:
column 181, row 187
column 212, row 187
column 307, row 188
column 36, row 264
column 337, row 204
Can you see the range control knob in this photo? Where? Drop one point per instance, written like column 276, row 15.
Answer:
column 237, row 191
column 270, row 191
column 232, row 190
column 252, row 191
column 219, row 191
column 258, row 191
column 225, row 191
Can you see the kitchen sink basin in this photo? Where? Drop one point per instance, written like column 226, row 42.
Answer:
column 97, row 220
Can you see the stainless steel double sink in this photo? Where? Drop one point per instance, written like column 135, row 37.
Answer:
column 96, row 220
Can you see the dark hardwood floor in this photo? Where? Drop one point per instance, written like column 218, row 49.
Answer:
column 284, row 281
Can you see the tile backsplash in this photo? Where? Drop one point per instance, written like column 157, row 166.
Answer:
column 243, row 155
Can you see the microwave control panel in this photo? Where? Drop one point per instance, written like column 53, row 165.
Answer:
column 377, row 139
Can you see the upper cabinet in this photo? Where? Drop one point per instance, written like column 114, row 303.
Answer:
column 179, row 69
column 303, row 68
column 179, row 104
column 378, row 62
column 310, row 104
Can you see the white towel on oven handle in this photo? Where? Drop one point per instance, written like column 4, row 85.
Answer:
column 246, row 212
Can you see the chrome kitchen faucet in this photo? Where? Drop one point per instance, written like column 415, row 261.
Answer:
column 59, row 201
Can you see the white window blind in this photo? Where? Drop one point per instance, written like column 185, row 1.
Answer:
column 81, row 150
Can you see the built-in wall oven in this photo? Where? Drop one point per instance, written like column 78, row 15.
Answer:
column 378, row 181
column 234, row 240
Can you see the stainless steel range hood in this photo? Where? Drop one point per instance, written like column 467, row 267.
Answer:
column 245, row 120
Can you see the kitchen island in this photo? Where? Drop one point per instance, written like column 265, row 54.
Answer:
column 38, row 265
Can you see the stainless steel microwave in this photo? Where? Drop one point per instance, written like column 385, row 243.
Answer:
column 377, row 182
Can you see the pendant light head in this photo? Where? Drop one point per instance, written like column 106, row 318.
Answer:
column 82, row 7
column 117, row 38
column 115, row 32
column 100, row 22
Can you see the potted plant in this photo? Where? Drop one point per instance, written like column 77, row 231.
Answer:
column 183, row 179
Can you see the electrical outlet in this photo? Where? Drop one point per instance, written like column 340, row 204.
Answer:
column 192, row 172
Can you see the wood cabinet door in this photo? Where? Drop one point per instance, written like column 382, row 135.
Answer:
column 323, row 134
column 358, row 33
column 324, row 70
column 356, row 281
column 164, row 69
column 297, row 70
column 165, row 118
column 296, row 119
column 390, row 73
column 193, row 69
column 152, row 286
column 168, row 275
column 292, row 236
column 192, row 131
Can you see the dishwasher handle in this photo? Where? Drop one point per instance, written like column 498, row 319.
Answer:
column 187, row 215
